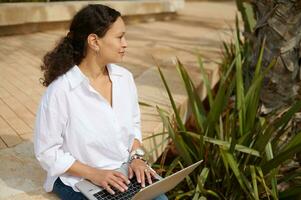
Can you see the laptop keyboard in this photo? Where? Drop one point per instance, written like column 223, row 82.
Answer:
column 133, row 188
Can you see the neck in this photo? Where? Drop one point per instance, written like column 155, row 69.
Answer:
column 93, row 70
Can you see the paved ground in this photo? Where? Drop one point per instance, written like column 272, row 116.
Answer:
column 200, row 27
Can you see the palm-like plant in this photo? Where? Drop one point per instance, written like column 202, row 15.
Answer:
column 279, row 22
column 241, row 148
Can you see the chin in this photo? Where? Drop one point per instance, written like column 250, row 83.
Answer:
column 120, row 59
column 117, row 59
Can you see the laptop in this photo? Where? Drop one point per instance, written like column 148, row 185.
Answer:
column 135, row 191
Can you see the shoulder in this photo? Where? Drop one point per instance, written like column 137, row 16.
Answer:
column 56, row 91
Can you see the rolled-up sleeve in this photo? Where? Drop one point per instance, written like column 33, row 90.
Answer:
column 136, row 112
column 49, row 133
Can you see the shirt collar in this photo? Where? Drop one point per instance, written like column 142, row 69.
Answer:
column 114, row 70
column 76, row 77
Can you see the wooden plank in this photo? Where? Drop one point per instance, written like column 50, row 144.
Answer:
column 8, row 135
column 13, row 120
column 2, row 144
column 18, row 79
column 21, row 111
column 27, row 136
column 20, row 96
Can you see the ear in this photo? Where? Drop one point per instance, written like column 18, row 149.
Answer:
column 93, row 42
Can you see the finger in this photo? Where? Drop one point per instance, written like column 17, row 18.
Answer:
column 153, row 174
column 122, row 176
column 142, row 175
column 116, row 185
column 149, row 178
column 120, row 182
column 137, row 173
column 152, row 170
column 130, row 172
column 109, row 189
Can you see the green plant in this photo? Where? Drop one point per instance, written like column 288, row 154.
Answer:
column 241, row 148
column 247, row 15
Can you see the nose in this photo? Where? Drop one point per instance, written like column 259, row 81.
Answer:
column 124, row 42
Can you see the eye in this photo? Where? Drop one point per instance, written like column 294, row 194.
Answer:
column 121, row 36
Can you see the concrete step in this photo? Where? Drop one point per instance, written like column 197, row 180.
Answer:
column 21, row 174
column 14, row 17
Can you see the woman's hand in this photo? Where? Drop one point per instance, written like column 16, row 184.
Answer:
column 110, row 178
column 141, row 170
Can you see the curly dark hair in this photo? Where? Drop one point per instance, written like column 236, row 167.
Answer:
column 71, row 49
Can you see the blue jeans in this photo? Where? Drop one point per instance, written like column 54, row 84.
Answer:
column 67, row 193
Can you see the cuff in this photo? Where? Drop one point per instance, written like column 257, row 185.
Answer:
column 62, row 165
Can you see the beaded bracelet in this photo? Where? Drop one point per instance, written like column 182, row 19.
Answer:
column 137, row 157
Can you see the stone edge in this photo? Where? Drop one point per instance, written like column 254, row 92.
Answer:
column 31, row 17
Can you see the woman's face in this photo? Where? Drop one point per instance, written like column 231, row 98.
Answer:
column 113, row 44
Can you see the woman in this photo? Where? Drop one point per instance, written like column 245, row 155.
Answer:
column 88, row 122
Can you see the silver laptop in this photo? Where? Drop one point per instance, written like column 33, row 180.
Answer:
column 135, row 192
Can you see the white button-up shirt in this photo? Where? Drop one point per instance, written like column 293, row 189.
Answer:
column 74, row 122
